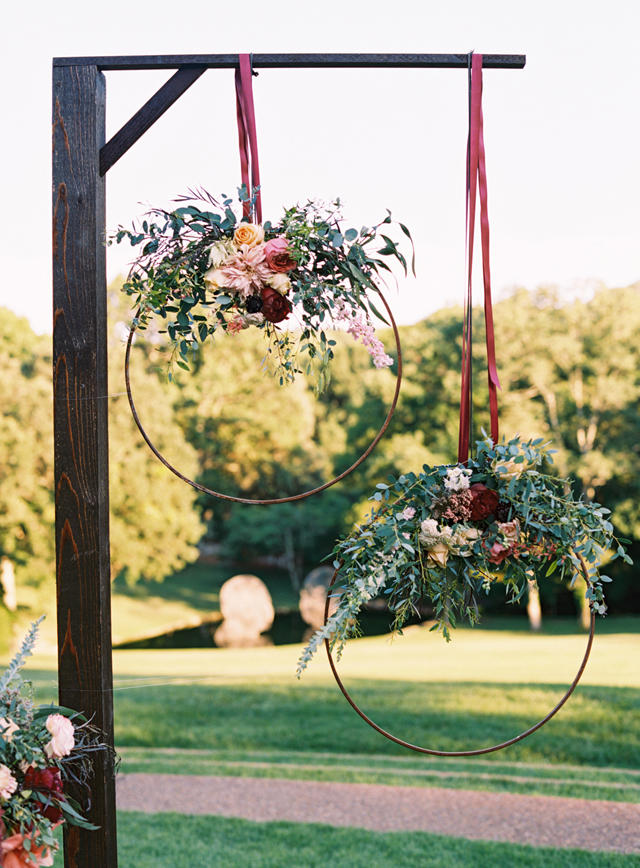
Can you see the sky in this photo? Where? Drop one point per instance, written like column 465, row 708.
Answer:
column 561, row 135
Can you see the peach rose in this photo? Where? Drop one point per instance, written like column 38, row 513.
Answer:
column 249, row 234
column 7, row 728
column 62, row 740
column 13, row 853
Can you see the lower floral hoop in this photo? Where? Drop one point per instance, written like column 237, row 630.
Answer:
column 477, row 751
column 292, row 497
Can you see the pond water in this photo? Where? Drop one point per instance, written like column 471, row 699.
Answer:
column 288, row 628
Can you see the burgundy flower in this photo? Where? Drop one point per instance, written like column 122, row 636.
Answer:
column 49, row 783
column 275, row 307
column 484, row 501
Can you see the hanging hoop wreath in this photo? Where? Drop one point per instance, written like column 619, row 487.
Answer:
column 293, row 497
column 450, row 533
column 473, row 752
column 203, row 271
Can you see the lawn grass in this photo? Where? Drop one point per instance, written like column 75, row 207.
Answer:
column 155, row 841
column 244, row 713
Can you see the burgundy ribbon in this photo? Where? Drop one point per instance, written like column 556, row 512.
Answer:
column 248, row 136
column 477, row 181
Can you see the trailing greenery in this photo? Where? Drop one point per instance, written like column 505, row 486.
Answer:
column 204, row 271
column 449, row 533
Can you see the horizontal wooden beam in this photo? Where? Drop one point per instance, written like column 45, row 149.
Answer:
column 145, row 117
column 229, row 61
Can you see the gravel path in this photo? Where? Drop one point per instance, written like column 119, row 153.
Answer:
column 539, row 820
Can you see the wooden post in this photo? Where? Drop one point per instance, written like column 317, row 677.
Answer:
column 81, row 434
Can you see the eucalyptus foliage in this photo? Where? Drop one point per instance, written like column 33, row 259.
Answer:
column 449, row 533
column 335, row 274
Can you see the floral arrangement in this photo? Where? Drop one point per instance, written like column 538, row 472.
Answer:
column 204, row 271
column 449, row 533
column 42, row 750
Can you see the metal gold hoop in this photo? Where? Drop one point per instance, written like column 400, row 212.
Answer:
column 478, row 751
column 292, row 497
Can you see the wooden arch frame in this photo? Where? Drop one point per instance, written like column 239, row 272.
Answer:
column 81, row 159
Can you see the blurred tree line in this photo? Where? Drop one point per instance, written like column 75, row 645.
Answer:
column 569, row 372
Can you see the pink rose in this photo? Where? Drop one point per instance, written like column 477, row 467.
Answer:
column 276, row 252
column 499, row 553
column 62, row 740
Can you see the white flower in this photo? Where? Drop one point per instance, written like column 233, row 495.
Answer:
column 280, row 282
column 8, row 784
column 62, row 740
column 7, row 728
column 446, row 531
column 220, row 251
column 457, row 479
column 254, row 318
column 429, row 532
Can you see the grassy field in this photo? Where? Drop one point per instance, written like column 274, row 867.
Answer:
column 242, row 712
column 153, row 841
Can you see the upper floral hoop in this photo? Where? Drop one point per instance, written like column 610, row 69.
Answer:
column 293, row 497
column 202, row 272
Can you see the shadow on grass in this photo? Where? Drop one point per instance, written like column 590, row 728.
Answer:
column 593, row 728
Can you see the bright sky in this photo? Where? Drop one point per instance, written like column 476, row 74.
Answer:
column 562, row 135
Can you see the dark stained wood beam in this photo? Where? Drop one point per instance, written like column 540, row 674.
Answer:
column 81, row 438
column 289, row 61
column 145, row 117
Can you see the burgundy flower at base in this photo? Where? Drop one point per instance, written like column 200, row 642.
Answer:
column 49, row 783
column 275, row 307
column 484, row 501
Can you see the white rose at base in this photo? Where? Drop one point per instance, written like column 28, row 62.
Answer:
column 62, row 736
column 8, row 784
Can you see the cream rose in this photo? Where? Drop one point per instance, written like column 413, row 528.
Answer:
column 7, row 728
column 8, row 784
column 214, row 279
column 62, row 741
column 249, row 234
column 510, row 469
column 464, row 538
column 280, row 282
column 438, row 555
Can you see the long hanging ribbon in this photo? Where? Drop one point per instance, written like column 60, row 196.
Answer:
column 477, row 180
column 248, row 136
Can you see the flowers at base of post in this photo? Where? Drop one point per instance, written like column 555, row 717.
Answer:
column 42, row 750
column 202, row 271
column 441, row 538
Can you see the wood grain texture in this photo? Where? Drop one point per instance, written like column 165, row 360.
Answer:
column 146, row 116
column 222, row 61
column 81, row 436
